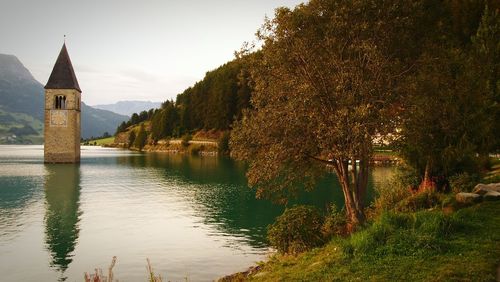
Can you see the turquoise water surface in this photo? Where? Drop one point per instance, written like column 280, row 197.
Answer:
column 193, row 217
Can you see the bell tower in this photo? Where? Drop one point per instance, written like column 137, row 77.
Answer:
column 62, row 113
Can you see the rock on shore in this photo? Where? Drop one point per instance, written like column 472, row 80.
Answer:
column 488, row 192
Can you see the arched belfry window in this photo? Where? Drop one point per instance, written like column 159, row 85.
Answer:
column 60, row 102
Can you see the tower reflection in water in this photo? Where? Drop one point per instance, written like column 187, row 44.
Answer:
column 62, row 194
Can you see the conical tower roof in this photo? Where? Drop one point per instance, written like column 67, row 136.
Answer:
column 63, row 76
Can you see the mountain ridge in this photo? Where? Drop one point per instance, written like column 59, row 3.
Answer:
column 22, row 107
column 129, row 107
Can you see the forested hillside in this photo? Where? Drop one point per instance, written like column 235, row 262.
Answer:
column 212, row 103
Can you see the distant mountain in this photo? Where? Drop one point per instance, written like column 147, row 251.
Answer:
column 129, row 107
column 22, row 104
column 19, row 91
column 96, row 121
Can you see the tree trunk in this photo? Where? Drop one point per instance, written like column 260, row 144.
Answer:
column 354, row 190
column 427, row 184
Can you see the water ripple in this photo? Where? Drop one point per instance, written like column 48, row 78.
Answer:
column 192, row 216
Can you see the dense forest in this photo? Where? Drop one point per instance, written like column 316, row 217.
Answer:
column 212, row 103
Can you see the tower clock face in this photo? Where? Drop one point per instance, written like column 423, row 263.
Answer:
column 58, row 118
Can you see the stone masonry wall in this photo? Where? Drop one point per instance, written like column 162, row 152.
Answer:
column 62, row 134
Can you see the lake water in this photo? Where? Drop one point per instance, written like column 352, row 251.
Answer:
column 193, row 217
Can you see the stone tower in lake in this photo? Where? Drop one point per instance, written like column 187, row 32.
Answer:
column 62, row 113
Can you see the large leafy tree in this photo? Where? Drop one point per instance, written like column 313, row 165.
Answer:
column 325, row 85
column 451, row 115
column 444, row 119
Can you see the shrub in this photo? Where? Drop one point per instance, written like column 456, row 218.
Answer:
column 297, row 230
column 399, row 188
column 335, row 223
column 463, row 182
column 389, row 195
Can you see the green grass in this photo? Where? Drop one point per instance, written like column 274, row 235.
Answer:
column 421, row 246
column 10, row 120
column 103, row 141
column 19, row 120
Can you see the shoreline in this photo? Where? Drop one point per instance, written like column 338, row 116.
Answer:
column 329, row 261
column 174, row 147
column 210, row 148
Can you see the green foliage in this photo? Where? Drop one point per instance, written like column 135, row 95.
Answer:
column 131, row 138
column 15, row 123
column 406, row 176
column 135, row 119
column 451, row 121
column 165, row 122
column 463, row 182
column 121, row 128
column 486, row 49
column 142, row 136
column 427, row 246
column 212, row 103
column 99, row 141
column 22, row 131
column 390, row 194
column 334, row 223
column 297, row 230
column 326, row 82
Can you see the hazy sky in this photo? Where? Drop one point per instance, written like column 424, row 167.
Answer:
column 131, row 50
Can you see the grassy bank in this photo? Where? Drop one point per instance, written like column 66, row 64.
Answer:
column 421, row 246
column 194, row 147
column 101, row 142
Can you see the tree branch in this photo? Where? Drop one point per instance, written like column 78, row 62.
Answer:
column 322, row 160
